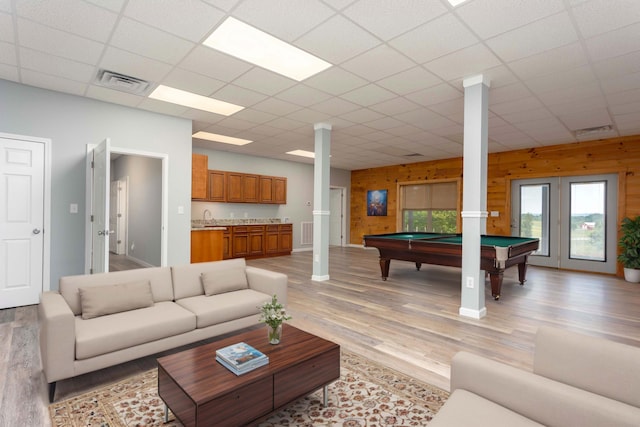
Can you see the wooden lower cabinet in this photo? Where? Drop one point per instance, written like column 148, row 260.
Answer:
column 206, row 245
column 255, row 241
column 227, row 244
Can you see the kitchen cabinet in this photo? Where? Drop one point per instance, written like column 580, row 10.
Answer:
column 206, row 245
column 227, row 251
column 278, row 238
column 217, row 188
column 248, row 241
column 273, row 189
column 199, row 176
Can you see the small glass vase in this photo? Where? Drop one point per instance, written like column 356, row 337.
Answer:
column 274, row 334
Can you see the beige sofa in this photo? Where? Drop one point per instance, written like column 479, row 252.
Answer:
column 100, row 320
column 577, row 380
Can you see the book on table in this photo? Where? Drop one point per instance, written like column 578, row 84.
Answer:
column 241, row 358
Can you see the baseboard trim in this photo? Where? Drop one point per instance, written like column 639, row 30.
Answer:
column 474, row 314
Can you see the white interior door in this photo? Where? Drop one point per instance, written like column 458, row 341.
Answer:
column 117, row 217
column 22, row 231
column 336, row 216
column 100, row 190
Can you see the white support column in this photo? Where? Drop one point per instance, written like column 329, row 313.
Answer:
column 321, row 209
column 474, row 200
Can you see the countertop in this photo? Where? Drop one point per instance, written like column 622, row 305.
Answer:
column 216, row 227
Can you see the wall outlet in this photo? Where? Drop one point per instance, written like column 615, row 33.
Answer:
column 73, row 208
column 308, row 203
column 470, row 282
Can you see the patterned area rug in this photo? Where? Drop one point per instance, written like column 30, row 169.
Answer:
column 367, row 394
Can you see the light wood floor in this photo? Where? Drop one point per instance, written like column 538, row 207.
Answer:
column 409, row 322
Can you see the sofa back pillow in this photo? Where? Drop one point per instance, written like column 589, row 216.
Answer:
column 187, row 278
column 224, row 280
column 159, row 277
column 99, row 301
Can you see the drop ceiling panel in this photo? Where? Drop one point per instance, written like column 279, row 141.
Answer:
column 435, row 39
column 328, row 40
column 368, row 95
column 466, row 62
column 6, row 28
column 8, row 72
column 378, row 63
column 122, row 98
column 493, row 17
column 192, row 82
column 56, row 66
column 8, row 54
column 335, row 81
column 614, row 43
column 239, row 96
column 192, row 21
column 147, row 41
column 586, row 119
column 600, row 16
column 284, row 19
column 566, row 57
column 303, row 95
column 33, row 78
column 388, row 19
column 72, row 16
column 411, row 80
column 539, row 36
column 60, row 43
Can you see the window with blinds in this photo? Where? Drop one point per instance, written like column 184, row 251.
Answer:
column 431, row 207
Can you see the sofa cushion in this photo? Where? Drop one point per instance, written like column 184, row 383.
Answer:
column 600, row 366
column 159, row 277
column 98, row 301
column 220, row 308
column 468, row 409
column 186, row 278
column 106, row 334
column 223, row 280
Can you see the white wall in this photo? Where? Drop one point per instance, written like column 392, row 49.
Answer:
column 72, row 122
column 144, row 213
column 299, row 190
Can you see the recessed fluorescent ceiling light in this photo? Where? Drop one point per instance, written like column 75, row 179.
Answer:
column 221, row 138
column 454, row 3
column 252, row 45
column 302, row 153
column 192, row 100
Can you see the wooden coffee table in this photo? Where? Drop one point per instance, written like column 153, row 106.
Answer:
column 201, row 392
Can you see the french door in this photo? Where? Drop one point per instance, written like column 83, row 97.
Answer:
column 574, row 218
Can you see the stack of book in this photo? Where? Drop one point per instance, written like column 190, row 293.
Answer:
column 241, row 358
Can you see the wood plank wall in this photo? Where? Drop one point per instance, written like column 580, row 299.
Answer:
column 615, row 155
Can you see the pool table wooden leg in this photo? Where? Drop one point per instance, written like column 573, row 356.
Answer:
column 384, row 267
column 496, row 283
column 522, row 271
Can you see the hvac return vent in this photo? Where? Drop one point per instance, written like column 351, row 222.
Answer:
column 121, row 82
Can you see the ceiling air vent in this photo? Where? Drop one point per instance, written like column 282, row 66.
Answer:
column 121, row 82
column 582, row 133
column 414, row 155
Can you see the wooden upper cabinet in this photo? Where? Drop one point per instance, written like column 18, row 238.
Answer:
column 199, row 176
column 280, row 190
column 234, row 187
column 273, row 189
column 238, row 187
column 217, row 187
column 250, row 188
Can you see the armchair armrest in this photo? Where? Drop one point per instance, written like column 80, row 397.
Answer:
column 57, row 337
column 535, row 397
column 269, row 282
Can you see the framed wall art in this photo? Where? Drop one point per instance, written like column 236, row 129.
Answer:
column 377, row 203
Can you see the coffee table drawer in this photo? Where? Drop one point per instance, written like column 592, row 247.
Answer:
column 303, row 378
column 240, row 406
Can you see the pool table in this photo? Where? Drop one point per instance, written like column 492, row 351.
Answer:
column 497, row 253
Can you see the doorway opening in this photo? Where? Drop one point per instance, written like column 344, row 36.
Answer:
column 137, row 232
column 337, row 216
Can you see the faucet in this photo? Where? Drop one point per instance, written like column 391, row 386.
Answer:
column 204, row 215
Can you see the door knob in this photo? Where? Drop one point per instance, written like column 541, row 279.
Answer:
column 36, row 231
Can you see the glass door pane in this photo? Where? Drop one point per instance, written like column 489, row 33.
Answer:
column 534, row 215
column 587, row 232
